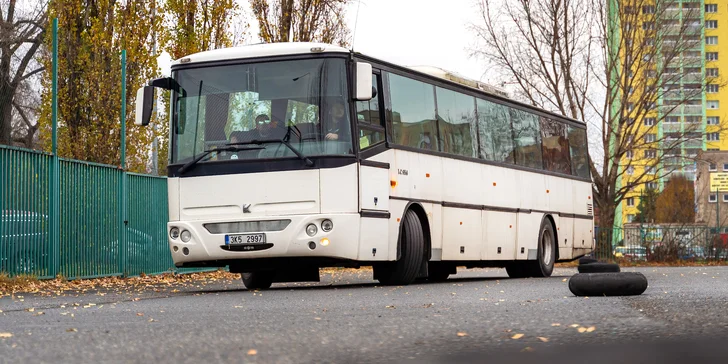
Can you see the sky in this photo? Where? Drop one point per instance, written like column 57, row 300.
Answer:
column 409, row 33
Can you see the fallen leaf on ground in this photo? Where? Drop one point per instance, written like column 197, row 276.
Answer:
column 563, row 280
column 5, row 335
column 31, row 309
column 140, row 314
column 391, row 306
column 582, row 329
column 462, row 334
column 555, row 324
column 591, row 328
column 252, row 352
column 527, row 349
column 516, row 336
column 543, row 339
column 71, row 330
column 574, row 325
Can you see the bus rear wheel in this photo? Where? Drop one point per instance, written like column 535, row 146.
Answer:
column 412, row 245
column 258, row 280
column 543, row 266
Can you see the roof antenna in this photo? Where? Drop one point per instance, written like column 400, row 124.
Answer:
column 356, row 22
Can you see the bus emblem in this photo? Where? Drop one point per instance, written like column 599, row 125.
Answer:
column 246, row 208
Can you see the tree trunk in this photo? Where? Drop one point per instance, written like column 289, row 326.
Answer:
column 605, row 231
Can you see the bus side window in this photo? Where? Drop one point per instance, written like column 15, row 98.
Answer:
column 371, row 128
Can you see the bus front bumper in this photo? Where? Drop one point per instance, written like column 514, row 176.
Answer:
column 209, row 240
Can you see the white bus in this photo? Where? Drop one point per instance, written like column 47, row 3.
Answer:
column 289, row 157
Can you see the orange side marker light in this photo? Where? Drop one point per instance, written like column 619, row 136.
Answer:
column 393, row 183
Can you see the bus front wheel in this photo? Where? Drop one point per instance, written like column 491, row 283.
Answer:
column 412, row 245
column 257, row 280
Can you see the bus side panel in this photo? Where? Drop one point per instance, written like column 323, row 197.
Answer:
column 434, row 216
column 339, row 189
column 500, row 187
column 374, row 239
column 532, row 191
column 564, row 233
column 463, row 230
column 528, row 229
column 499, row 232
column 560, row 192
column 462, row 182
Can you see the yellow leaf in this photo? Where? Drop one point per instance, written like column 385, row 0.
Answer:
column 462, row 334
column 252, row 352
column 582, row 330
column 543, row 339
column 31, row 309
column 563, row 280
column 71, row 330
column 574, row 325
column 591, row 328
column 555, row 324
column 140, row 314
column 5, row 335
column 516, row 336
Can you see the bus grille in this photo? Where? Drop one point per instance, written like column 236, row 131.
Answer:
column 246, row 226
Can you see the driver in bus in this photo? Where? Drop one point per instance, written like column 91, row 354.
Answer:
column 337, row 122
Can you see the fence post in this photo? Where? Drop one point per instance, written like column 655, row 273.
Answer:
column 55, row 211
column 123, row 253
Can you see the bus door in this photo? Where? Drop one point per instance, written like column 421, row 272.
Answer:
column 374, row 179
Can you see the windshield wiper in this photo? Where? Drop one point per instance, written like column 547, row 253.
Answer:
column 309, row 162
column 230, row 147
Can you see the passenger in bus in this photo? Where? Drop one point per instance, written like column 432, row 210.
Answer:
column 425, row 141
column 262, row 127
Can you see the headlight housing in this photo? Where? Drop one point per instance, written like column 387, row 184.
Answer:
column 327, row 225
column 174, row 233
column 311, row 229
column 186, row 236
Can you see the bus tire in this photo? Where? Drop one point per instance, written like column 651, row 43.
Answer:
column 412, row 243
column 608, row 284
column 587, row 260
column 546, row 257
column 599, row 268
column 258, row 280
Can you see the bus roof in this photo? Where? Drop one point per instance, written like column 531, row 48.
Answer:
column 260, row 50
column 297, row 48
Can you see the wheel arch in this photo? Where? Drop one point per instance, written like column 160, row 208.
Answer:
column 418, row 209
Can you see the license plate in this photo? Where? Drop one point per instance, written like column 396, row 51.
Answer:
column 245, row 239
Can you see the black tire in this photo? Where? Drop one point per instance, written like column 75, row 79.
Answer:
column 257, row 280
column 599, row 268
column 438, row 272
column 587, row 260
column 608, row 284
column 412, row 245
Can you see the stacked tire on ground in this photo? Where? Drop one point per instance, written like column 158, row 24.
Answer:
column 605, row 279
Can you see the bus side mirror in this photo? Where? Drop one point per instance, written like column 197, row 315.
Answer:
column 144, row 105
column 363, row 85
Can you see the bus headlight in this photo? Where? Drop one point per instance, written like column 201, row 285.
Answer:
column 311, row 229
column 327, row 225
column 174, row 233
column 186, row 236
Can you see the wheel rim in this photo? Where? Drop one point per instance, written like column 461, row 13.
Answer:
column 546, row 247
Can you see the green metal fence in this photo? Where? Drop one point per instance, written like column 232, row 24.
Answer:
column 110, row 222
column 668, row 242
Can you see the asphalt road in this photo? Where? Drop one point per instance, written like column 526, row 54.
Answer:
column 477, row 316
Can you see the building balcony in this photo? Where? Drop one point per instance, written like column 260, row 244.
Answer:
column 693, row 109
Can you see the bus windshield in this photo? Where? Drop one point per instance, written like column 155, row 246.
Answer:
column 302, row 103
